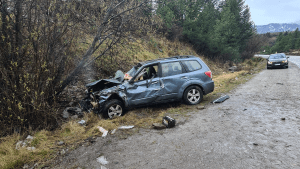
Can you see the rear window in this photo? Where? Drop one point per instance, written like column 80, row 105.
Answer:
column 192, row 65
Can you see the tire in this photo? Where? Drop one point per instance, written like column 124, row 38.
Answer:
column 193, row 95
column 113, row 108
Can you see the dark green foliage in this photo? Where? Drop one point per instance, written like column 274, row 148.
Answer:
column 216, row 30
column 285, row 42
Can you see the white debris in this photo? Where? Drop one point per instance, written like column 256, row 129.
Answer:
column 114, row 131
column 102, row 130
column 82, row 122
column 29, row 137
column 126, row 127
column 30, row 148
column 18, row 145
column 102, row 160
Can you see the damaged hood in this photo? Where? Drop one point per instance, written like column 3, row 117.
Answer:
column 106, row 83
column 102, row 84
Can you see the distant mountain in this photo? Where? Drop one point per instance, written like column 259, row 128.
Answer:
column 276, row 27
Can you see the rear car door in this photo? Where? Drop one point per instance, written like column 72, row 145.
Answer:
column 173, row 76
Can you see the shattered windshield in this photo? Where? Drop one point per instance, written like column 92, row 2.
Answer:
column 131, row 72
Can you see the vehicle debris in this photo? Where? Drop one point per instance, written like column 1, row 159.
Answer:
column 22, row 144
column 221, row 99
column 82, row 122
column 113, row 131
column 200, row 107
column 283, row 118
column 102, row 160
column 31, row 148
column 102, row 130
column 60, row 143
column 168, row 121
column 126, row 127
column 71, row 111
column 232, row 69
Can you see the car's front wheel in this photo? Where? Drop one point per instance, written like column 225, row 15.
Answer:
column 193, row 95
column 113, row 108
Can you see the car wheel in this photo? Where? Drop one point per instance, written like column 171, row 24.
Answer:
column 193, row 95
column 113, row 108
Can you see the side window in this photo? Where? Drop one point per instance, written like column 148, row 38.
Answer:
column 147, row 73
column 170, row 69
column 192, row 65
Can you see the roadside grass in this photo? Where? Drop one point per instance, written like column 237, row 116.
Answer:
column 74, row 134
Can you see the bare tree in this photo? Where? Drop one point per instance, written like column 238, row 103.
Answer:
column 38, row 41
column 111, row 29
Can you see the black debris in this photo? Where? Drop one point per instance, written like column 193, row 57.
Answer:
column 221, row 99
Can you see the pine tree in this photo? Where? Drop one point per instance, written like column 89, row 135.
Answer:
column 198, row 26
column 232, row 30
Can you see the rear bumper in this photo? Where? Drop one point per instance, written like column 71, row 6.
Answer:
column 208, row 87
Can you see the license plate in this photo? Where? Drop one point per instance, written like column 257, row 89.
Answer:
column 277, row 64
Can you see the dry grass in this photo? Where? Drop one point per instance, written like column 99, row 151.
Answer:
column 72, row 133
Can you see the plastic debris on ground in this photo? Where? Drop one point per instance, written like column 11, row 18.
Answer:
column 126, row 127
column 24, row 143
column 82, row 122
column 221, row 99
column 31, row 148
column 114, row 131
column 102, row 130
column 102, row 160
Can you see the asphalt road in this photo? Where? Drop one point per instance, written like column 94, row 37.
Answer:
column 293, row 59
column 258, row 127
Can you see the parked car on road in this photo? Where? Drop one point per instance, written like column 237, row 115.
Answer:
column 185, row 78
column 277, row 60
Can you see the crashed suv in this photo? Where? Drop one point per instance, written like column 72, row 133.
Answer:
column 185, row 78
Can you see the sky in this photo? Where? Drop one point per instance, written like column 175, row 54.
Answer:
column 264, row 12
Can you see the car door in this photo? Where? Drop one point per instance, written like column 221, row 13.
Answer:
column 144, row 91
column 173, row 76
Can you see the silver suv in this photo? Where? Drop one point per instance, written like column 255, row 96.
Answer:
column 185, row 78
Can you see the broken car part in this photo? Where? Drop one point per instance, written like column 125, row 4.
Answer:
column 102, row 130
column 221, row 99
column 168, row 121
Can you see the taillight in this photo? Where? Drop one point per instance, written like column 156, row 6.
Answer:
column 209, row 74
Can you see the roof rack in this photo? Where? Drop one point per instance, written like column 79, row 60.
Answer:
column 173, row 57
